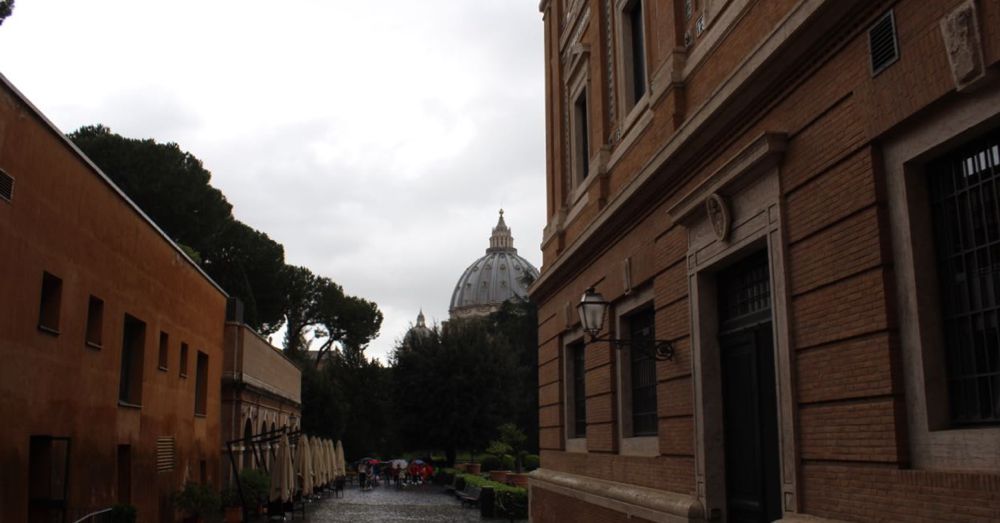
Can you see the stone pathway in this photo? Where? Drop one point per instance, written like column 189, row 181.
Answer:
column 389, row 504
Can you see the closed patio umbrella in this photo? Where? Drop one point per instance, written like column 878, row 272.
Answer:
column 303, row 465
column 331, row 459
column 340, row 459
column 282, row 475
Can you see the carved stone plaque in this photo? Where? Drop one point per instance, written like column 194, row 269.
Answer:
column 718, row 213
column 960, row 30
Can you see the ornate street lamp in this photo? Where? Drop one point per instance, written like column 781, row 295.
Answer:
column 593, row 308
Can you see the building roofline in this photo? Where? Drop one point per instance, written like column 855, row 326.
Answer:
column 100, row 174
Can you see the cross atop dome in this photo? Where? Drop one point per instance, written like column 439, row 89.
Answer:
column 501, row 240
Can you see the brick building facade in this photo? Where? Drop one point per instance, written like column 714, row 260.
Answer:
column 799, row 195
column 110, row 336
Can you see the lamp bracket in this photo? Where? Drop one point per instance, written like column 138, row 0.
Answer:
column 659, row 350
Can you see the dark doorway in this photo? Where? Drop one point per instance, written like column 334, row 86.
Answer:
column 750, row 413
column 125, row 473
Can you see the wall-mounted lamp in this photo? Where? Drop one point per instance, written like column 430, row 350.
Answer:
column 593, row 308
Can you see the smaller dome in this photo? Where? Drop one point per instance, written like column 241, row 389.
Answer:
column 420, row 330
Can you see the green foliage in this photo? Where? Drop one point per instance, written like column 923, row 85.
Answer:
column 349, row 398
column 255, row 484
column 123, row 513
column 452, row 388
column 173, row 188
column 491, row 463
column 198, row 500
column 531, row 462
column 6, row 8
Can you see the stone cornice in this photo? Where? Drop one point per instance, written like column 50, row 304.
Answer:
column 643, row 502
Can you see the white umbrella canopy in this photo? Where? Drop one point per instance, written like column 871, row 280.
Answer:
column 342, row 470
column 331, row 459
column 323, row 465
column 317, row 468
column 303, row 465
column 282, row 474
column 320, row 465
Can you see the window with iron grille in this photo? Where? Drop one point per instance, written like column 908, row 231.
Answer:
column 578, row 363
column 745, row 293
column 642, row 369
column 636, row 49
column 964, row 208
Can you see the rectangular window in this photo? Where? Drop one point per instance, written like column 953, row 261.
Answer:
column 579, row 392
column 48, row 310
column 133, row 343
column 164, row 355
column 201, row 385
column 642, row 371
column 965, row 194
column 184, row 360
column 95, row 322
column 582, row 131
column 635, row 49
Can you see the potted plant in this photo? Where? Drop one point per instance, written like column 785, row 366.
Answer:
column 198, row 503
column 122, row 513
column 255, row 484
column 232, row 506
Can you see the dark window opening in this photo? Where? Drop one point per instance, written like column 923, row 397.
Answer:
column 201, row 384
column 133, row 342
column 48, row 478
column 579, row 371
column 636, row 47
column 583, row 135
column 164, row 356
column 966, row 213
column 48, row 310
column 124, row 473
column 748, row 292
column 95, row 322
column 184, row 360
column 643, row 373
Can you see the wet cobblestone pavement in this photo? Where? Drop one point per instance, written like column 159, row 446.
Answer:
column 388, row 504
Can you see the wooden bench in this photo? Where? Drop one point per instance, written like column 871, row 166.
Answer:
column 470, row 495
column 456, row 485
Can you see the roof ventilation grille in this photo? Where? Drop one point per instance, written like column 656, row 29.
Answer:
column 882, row 43
column 6, row 186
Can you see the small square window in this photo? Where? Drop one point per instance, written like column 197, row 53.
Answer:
column 164, row 355
column 183, row 366
column 95, row 322
column 48, row 310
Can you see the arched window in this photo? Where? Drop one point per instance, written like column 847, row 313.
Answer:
column 247, row 448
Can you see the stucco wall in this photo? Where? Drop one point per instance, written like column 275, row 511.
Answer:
column 66, row 219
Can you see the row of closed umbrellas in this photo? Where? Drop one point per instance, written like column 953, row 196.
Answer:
column 317, row 462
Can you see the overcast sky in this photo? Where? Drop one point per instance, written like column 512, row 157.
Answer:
column 375, row 140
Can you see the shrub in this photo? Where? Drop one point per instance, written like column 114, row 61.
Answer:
column 512, row 505
column 491, row 463
column 122, row 513
column 255, row 485
column 507, row 462
column 531, row 462
column 198, row 500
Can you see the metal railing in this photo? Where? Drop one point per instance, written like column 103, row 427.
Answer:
column 95, row 517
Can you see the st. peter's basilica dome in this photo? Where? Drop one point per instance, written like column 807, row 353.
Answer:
column 493, row 279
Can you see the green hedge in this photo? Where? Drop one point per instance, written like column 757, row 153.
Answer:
column 509, row 501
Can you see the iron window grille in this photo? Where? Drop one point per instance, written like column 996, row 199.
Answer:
column 964, row 208
column 643, row 374
column 748, row 296
column 579, row 391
